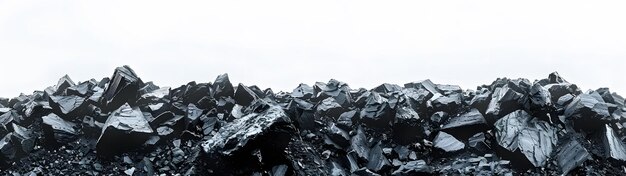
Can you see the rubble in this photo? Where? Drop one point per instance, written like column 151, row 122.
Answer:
column 123, row 126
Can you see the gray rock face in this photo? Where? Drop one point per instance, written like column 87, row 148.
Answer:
column 465, row 125
column 571, row 155
column 60, row 130
column 122, row 88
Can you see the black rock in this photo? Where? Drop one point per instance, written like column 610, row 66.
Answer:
column 587, row 113
column 222, row 87
column 68, row 107
column 481, row 100
column 614, row 148
column 303, row 91
column 346, row 118
column 328, row 108
column 360, row 145
column 377, row 160
column 244, row 96
column 22, row 139
column 122, row 88
column 505, row 100
column 418, row 167
column 447, row 143
column 59, row 130
column 527, row 142
column 570, row 155
column 338, row 135
column 464, row 126
column 125, row 124
column 83, row 89
column 408, row 126
column 377, row 113
column 479, row 143
column 64, row 83
column 448, row 103
column 387, row 88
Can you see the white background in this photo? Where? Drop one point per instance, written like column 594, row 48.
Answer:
column 281, row 44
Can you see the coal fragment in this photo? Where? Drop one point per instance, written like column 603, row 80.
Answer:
column 58, row 129
column 571, row 155
column 303, row 91
column 125, row 124
column 505, row 100
column 122, row 88
column 68, row 107
column 465, row 125
column 614, row 148
column 407, row 127
column 222, row 87
column 244, row 95
column 418, row 167
column 376, row 160
column 64, row 83
column 448, row 143
column 587, row 113
column 526, row 141
column 377, row 113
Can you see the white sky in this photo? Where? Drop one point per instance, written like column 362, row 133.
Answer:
column 281, row 44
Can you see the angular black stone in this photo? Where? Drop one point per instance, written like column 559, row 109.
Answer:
column 505, row 100
column 447, row 143
column 303, row 91
column 328, row 108
column 360, row 145
column 59, row 130
column 570, row 155
column 236, row 135
column 64, row 83
column 481, row 100
column 587, row 113
column 68, row 107
column 527, row 142
column 346, row 118
column 338, row 135
column 387, row 88
column 377, row 113
column 124, row 130
column 376, row 160
column 244, row 95
column 23, row 140
column 448, row 103
column 465, row 125
column 614, row 148
column 222, row 87
column 83, row 89
column 418, row 167
column 122, row 88
column 407, row 127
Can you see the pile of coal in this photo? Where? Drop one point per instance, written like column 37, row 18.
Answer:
column 124, row 126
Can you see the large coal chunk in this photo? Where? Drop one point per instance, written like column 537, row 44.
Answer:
column 614, row 148
column 64, row 83
column 587, row 113
column 448, row 103
column 58, row 130
column 68, row 107
column 526, row 141
column 505, row 100
column 126, row 129
column 340, row 91
column 540, row 99
column 447, row 143
column 377, row 112
column 244, row 96
column 122, row 88
column 236, row 135
column 265, row 130
column 465, row 125
column 18, row 143
column 222, row 87
column 303, row 91
column 408, row 126
column 571, row 155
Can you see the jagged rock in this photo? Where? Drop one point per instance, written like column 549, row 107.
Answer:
column 222, row 87
column 254, row 126
column 6, row 120
column 449, row 103
column 448, row 143
column 22, row 140
column 587, row 113
column 526, row 141
column 125, row 124
column 377, row 160
column 360, row 145
column 338, row 90
column 614, row 148
column 328, row 108
column 244, row 95
column 122, row 88
column 303, row 91
column 505, row 100
column 465, row 125
column 82, row 89
column 387, row 88
column 59, row 130
column 571, row 155
column 345, row 119
column 407, row 127
column 377, row 113
column 479, row 143
column 338, row 136
column 418, row 167
column 64, row 83
column 481, row 100
column 68, row 107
